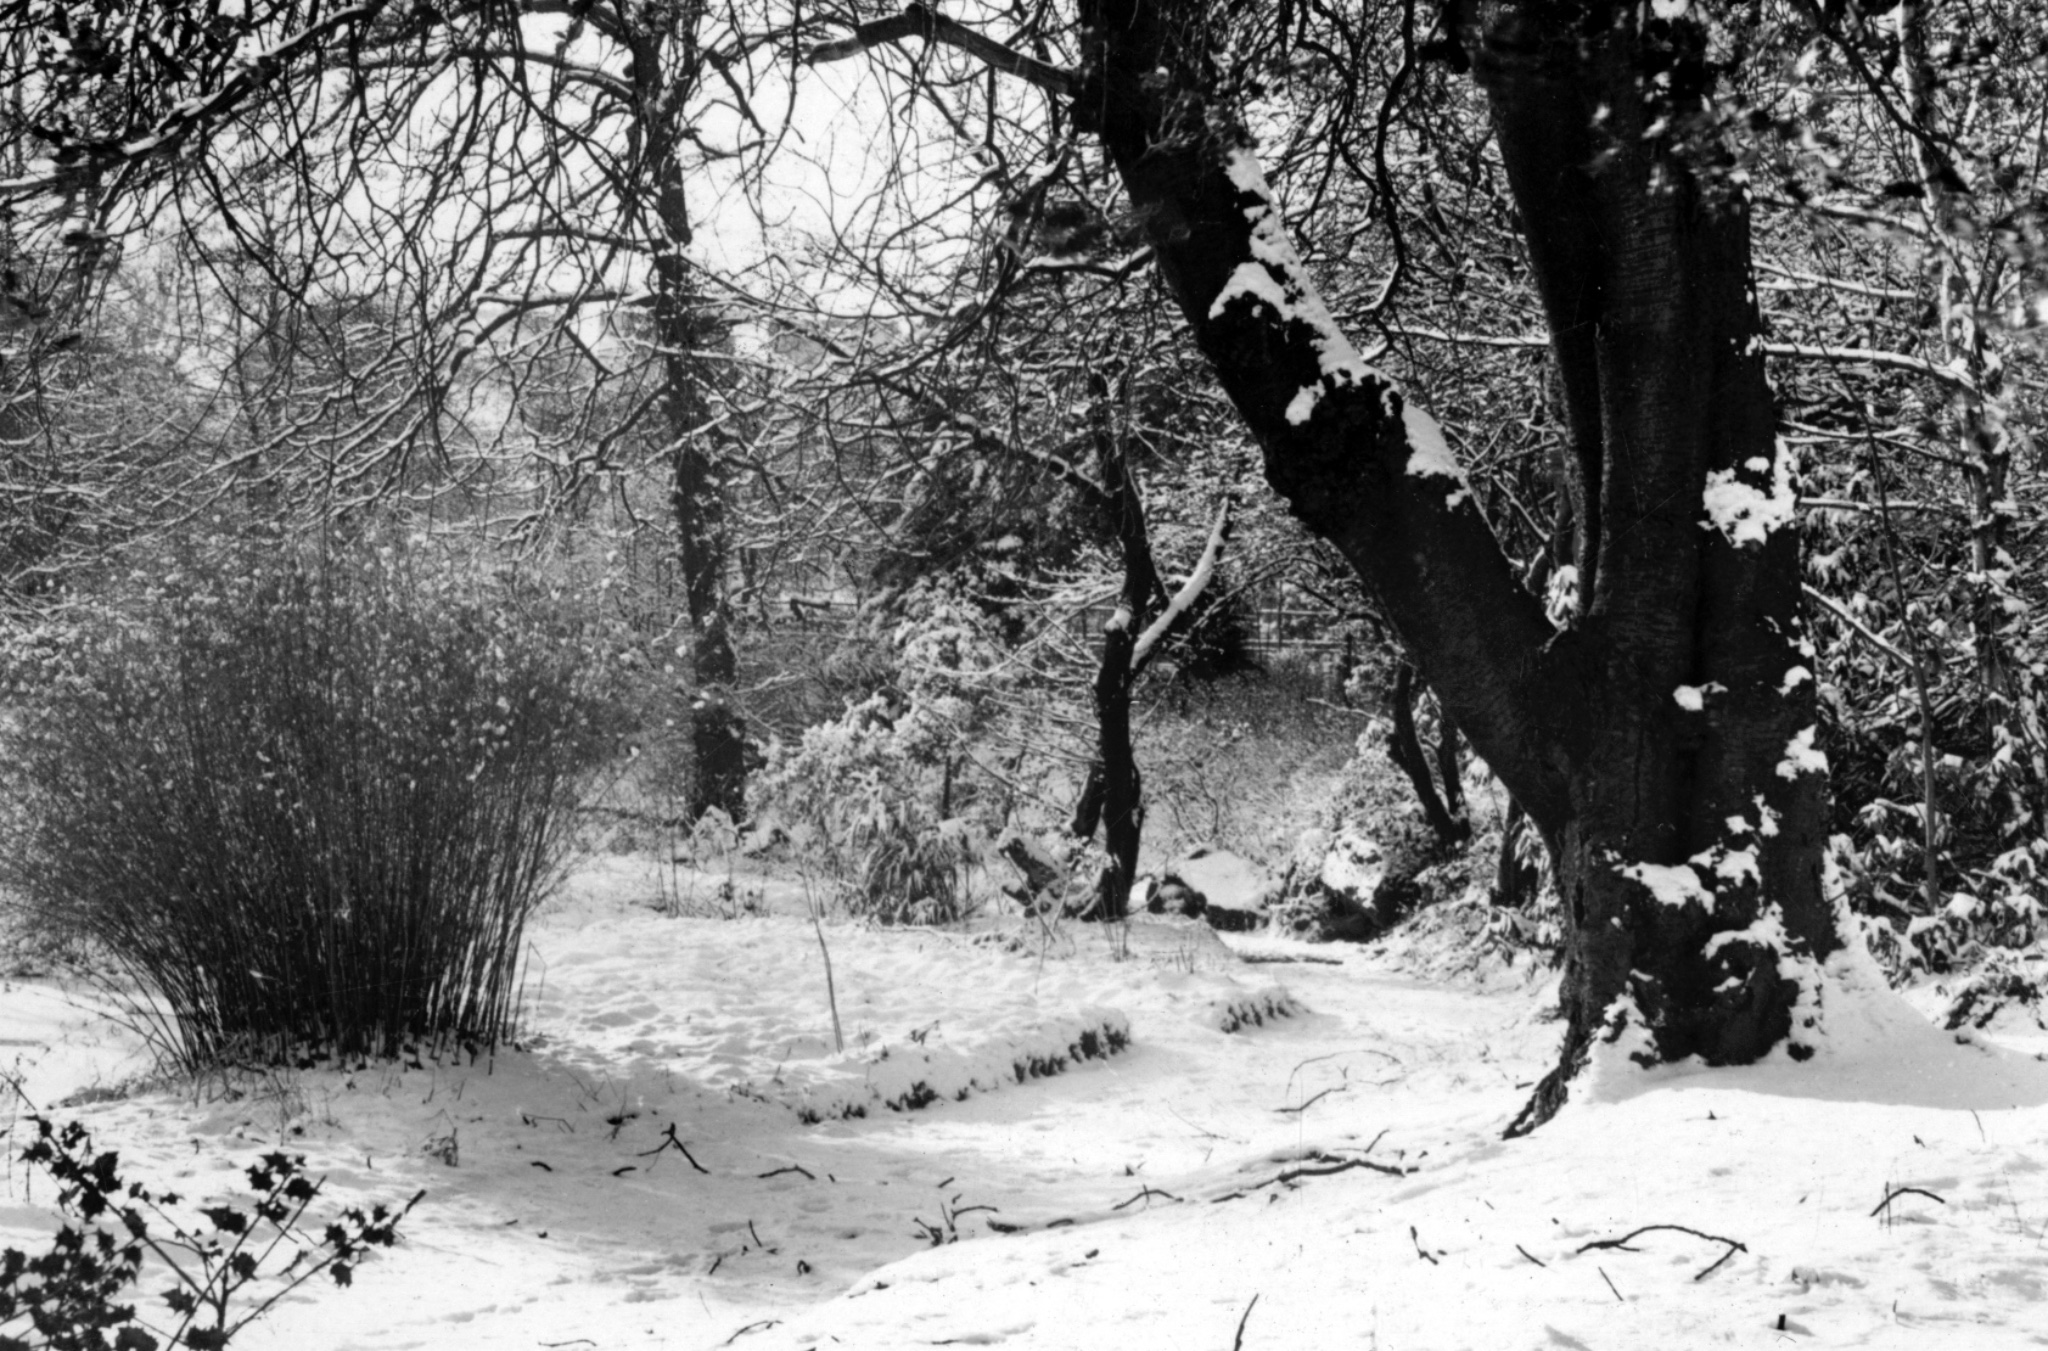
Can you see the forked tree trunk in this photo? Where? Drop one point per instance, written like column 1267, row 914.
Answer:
column 1662, row 742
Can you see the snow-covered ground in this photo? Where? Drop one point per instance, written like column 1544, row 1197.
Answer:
column 1073, row 1140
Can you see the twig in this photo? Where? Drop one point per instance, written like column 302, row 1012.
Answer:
column 751, row 1327
column 1296, row 1111
column 789, row 1168
column 1143, row 1193
column 669, row 1141
column 1525, row 1252
column 1324, row 1165
column 1420, row 1251
column 1897, row 1192
column 831, row 993
column 1621, row 1244
column 1610, row 1283
column 1714, row 1266
column 1237, row 1344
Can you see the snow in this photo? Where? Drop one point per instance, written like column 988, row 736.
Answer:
column 1274, row 277
column 1341, row 1163
column 1428, row 453
column 1802, row 756
column 1746, row 513
column 1673, row 885
column 1693, row 698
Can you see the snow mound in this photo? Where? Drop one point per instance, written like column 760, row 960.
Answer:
column 1253, row 1009
column 1855, row 1040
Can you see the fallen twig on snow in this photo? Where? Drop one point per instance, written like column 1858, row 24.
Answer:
column 764, row 1324
column 1621, row 1244
column 1526, row 1253
column 1420, row 1251
column 1296, row 1111
column 1896, row 1192
column 788, row 1168
column 1143, row 1193
column 669, row 1141
column 1319, row 1165
column 1610, row 1283
column 1238, row 1343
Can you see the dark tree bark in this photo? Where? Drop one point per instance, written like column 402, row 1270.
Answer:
column 1116, row 762
column 683, row 328
column 1662, row 741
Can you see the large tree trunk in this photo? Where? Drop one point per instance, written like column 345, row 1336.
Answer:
column 1662, row 742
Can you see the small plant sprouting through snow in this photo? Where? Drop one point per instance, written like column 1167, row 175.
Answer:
column 947, row 1230
column 70, row 1297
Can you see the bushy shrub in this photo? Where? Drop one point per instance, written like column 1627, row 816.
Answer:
column 912, row 870
column 886, row 791
column 70, row 1298
column 306, row 803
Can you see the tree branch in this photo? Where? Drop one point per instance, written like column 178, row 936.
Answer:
column 917, row 21
column 1358, row 462
column 1190, row 590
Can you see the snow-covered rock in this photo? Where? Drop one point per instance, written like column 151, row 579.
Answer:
column 1337, row 887
column 1227, row 889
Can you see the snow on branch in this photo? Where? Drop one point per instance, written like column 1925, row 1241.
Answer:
column 1184, row 599
column 918, row 21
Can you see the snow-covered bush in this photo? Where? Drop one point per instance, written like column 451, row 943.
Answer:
column 886, row 791
column 303, row 803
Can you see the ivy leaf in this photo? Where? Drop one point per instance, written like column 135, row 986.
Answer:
column 226, row 1218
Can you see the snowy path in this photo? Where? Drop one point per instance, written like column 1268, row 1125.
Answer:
column 571, row 1214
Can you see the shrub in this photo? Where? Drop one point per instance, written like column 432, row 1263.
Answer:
column 886, row 792
column 912, row 870
column 306, row 804
column 69, row 1299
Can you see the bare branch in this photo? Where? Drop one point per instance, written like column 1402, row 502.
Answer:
column 1190, row 590
column 917, row 21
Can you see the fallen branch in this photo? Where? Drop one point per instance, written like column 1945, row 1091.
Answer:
column 1526, row 1253
column 1296, row 1111
column 1621, row 1244
column 1320, row 1165
column 1142, row 1194
column 1420, row 1251
column 670, row 1141
column 789, row 1168
column 1897, row 1192
column 1238, row 1343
